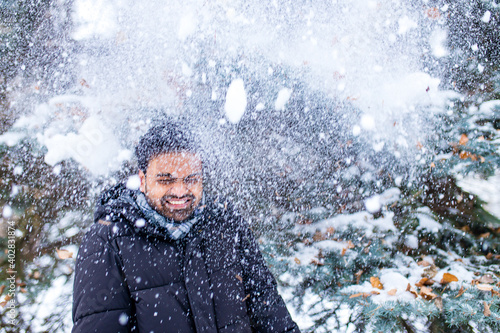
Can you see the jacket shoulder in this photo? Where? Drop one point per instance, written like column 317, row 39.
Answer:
column 101, row 235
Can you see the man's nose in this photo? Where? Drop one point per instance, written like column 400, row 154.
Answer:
column 179, row 188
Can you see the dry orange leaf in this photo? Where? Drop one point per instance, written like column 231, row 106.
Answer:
column 2, row 288
column 375, row 281
column 392, row 292
column 239, row 278
column 350, row 245
column 423, row 263
column 330, row 230
column 427, row 293
column 484, row 287
column 460, row 292
column 411, row 290
column 487, row 278
column 486, row 311
column 447, row 278
column 365, row 295
column 419, row 145
column 344, row 250
column 433, row 13
column 317, row 262
column 64, row 254
column 297, row 260
column 318, row 236
column 433, row 165
column 438, row 302
column 463, row 140
column 425, row 282
column 374, row 292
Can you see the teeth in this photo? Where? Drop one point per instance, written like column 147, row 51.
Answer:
column 177, row 202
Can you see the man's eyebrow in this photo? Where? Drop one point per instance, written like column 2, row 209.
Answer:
column 170, row 175
column 164, row 175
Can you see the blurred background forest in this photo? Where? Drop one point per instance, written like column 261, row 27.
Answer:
column 377, row 210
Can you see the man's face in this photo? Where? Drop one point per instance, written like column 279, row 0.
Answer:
column 173, row 184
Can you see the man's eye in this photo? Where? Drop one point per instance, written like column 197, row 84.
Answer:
column 166, row 181
column 192, row 180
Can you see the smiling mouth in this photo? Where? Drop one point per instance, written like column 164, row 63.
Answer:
column 177, row 203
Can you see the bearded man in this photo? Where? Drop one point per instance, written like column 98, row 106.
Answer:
column 165, row 258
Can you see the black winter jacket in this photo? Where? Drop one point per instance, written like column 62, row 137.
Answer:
column 136, row 279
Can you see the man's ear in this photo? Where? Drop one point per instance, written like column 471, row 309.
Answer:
column 142, row 176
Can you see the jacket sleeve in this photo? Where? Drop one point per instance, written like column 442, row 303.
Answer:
column 268, row 312
column 101, row 300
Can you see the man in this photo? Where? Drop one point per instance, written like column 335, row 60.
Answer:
column 167, row 259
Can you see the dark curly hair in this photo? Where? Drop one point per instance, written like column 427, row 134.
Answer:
column 164, row 138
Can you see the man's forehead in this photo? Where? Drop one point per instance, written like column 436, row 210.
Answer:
column 176, row 160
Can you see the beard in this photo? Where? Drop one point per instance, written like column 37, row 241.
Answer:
column 174, row 207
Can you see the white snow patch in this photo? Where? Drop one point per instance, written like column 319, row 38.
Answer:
column 283, row 97
column 486, row 17
column 487, row 108
column 411, row 241
column 428, row 223
column 95, row 147
column 11, row 138
column 360, row 220
column 236, row 101
column 486, row 189
column 373, row 204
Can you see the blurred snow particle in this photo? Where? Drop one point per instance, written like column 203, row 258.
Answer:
column 405, row 24
column 486, row 17
column 438, row 41
column 7, row 211
column 367, row 122
column 222, row 121
column 398, row 180
column 480, row 68
column 133, row 182
column 378, row 146
column 123, row 319
column 283, row 97
column 474, row 47
column 57, row 169
column 356, row 130
column 187, row 27
column 186, row 70
column 260, row 107
column 236, row 101
column 373, row 204
column 18, row 170
column 140, row 223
